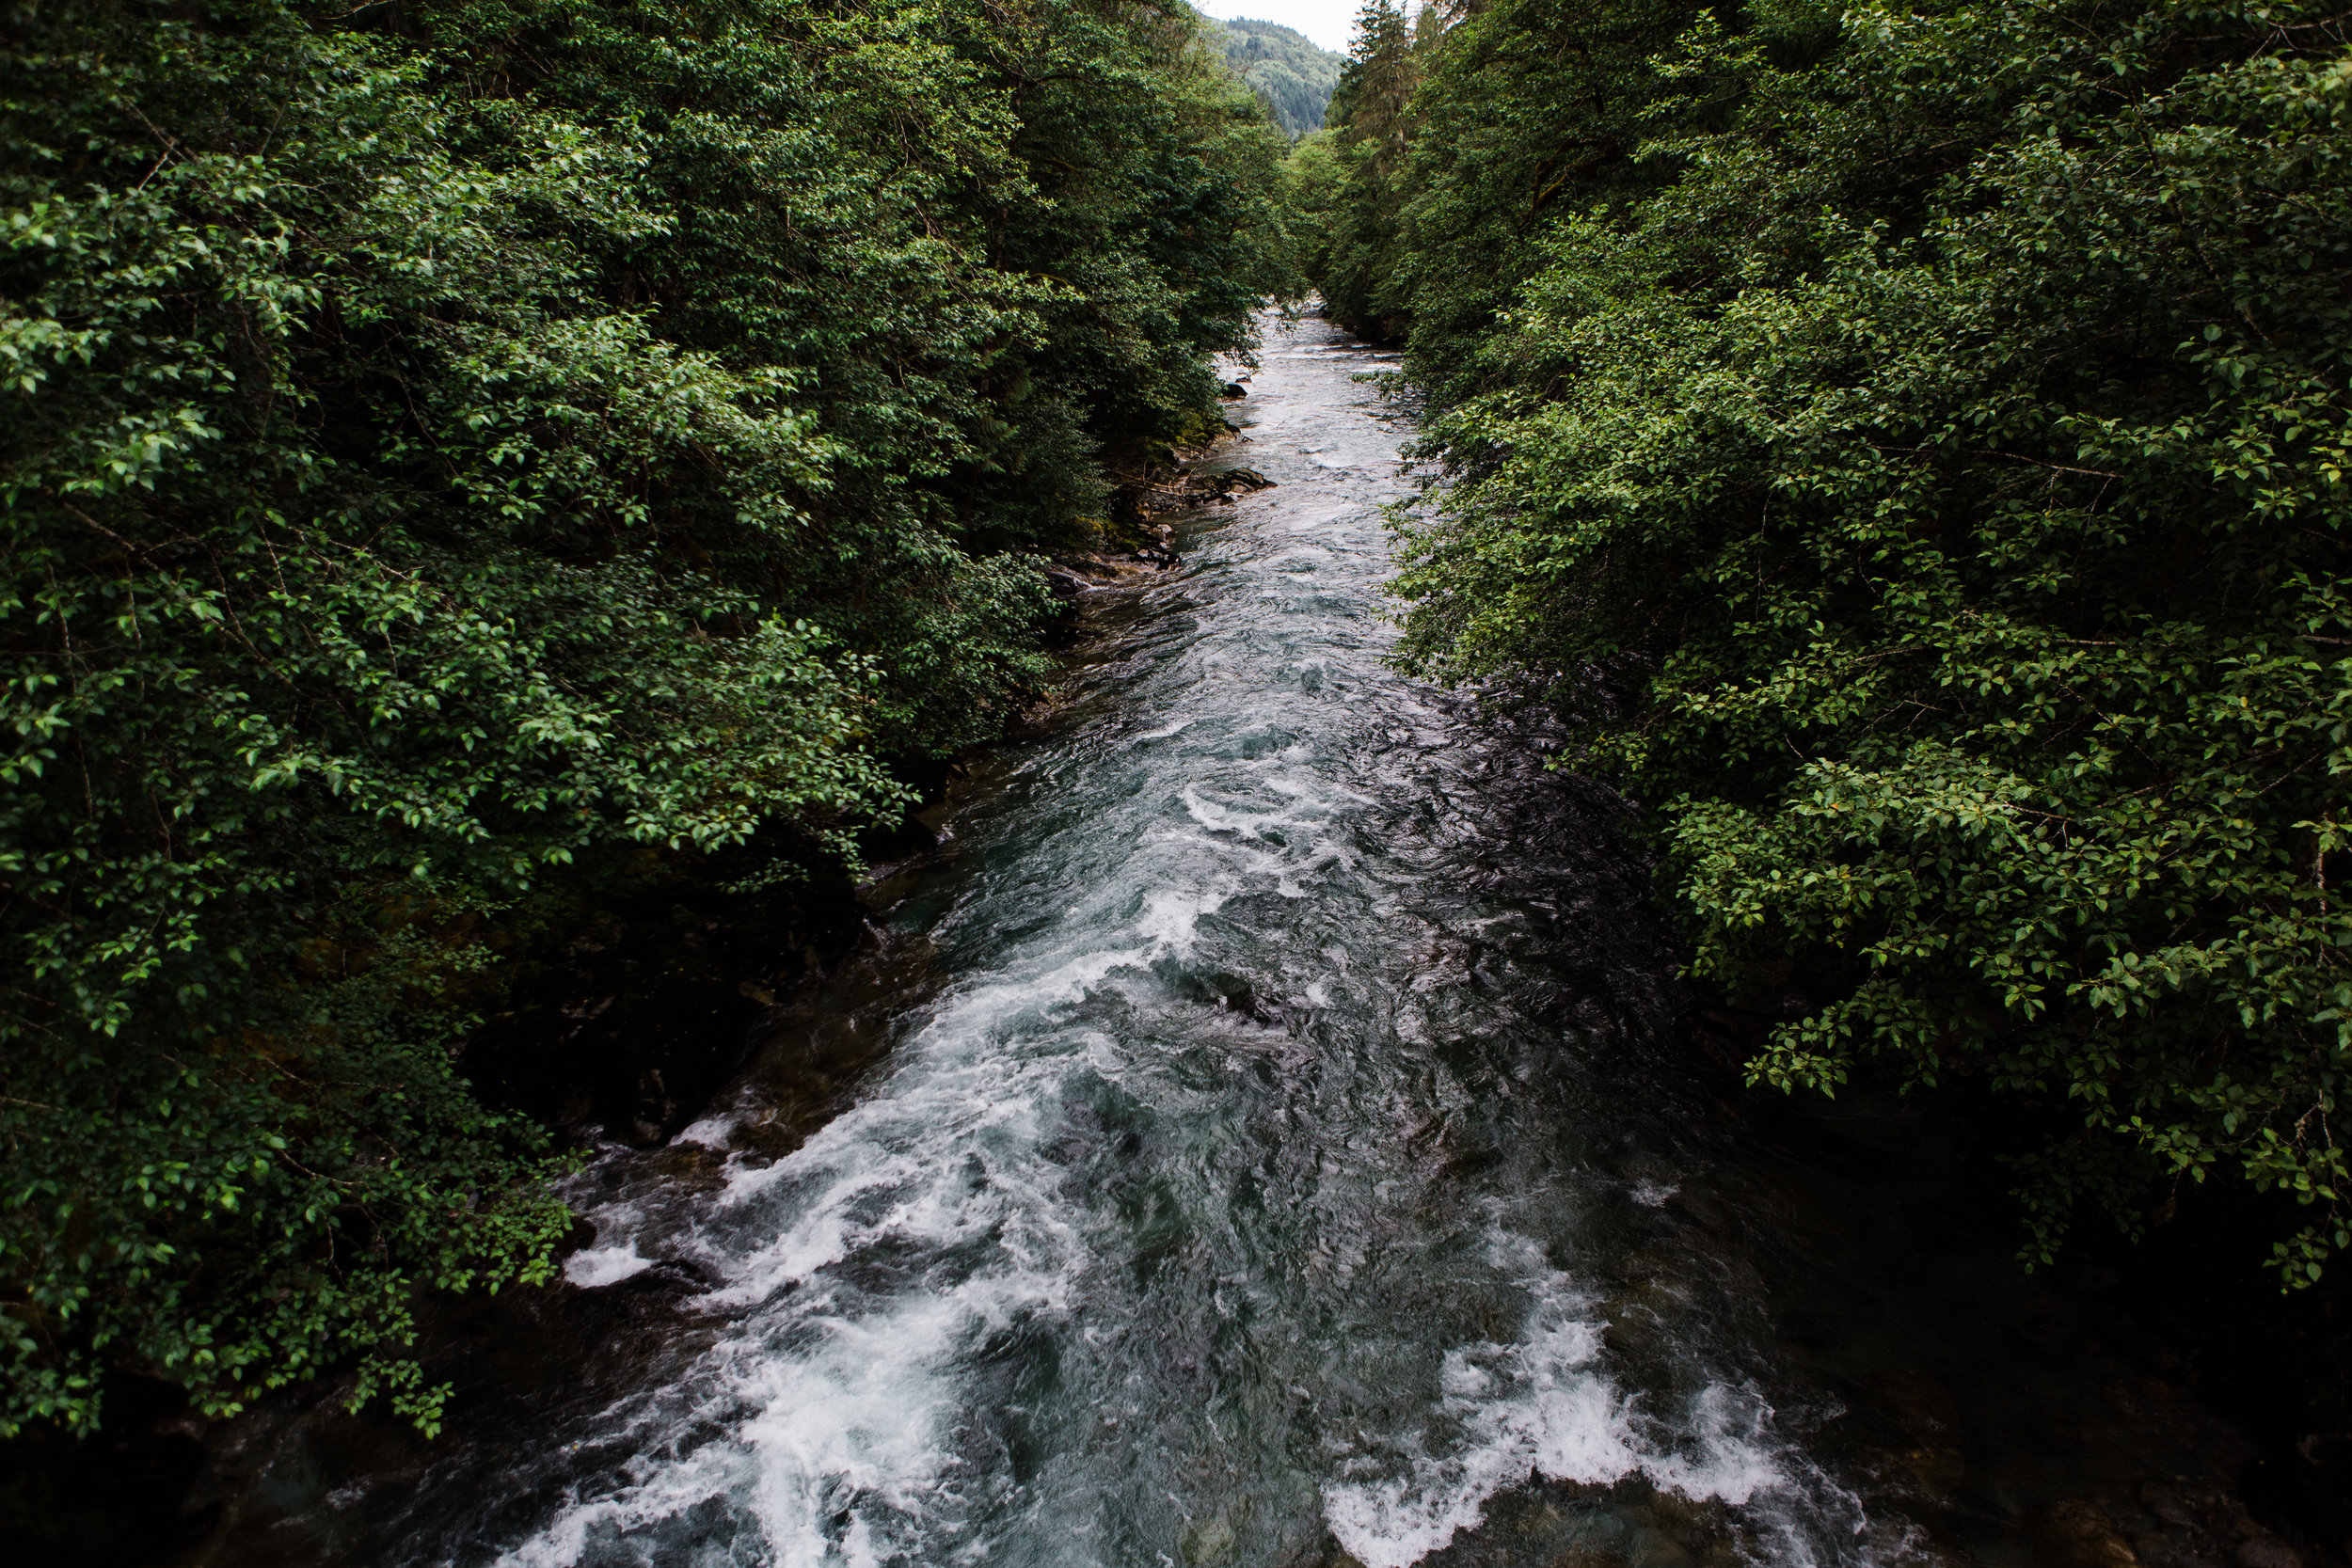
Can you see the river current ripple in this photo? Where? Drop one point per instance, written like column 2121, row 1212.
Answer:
column 1270, row 1162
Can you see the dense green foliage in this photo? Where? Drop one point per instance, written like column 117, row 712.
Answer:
column 1907, row 448
column 452, row 448
column 1289, row 71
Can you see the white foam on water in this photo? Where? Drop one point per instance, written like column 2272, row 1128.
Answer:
column 861, row 1423
column 1171, row 917
column 1542, row 1407
column 829, row 1411
column 1282, row 867
column 834, row 1420
column 711, row 1132
column 615, row 1256
column 1306, row 786
column 595, row 1267
column 834, row 1405
column 1212, row 816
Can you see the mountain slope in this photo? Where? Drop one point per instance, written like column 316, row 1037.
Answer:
column 1294, row 74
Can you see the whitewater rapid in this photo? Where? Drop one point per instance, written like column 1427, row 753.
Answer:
column 1270, row 1162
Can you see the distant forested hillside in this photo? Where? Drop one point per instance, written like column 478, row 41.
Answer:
column 1295, row 76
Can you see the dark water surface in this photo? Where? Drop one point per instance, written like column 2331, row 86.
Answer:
column 1267, row 1157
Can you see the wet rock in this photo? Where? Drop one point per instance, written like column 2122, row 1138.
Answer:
column 1162, row 551
column 2171, row 1505
column 1654, row 1550
column 1209, row 1543
column 1233, row 390
column 1586, row 1557
column 1065, row 584
column 2077, row 1533
column 2158, row 1549
column 1937, row 1469
column 692, row 1165
column 1925, row 1409
column 2265, row 1550
column 1072, row 577
column 2292, row 1493
column 663, row 1288
column 1697, row 1527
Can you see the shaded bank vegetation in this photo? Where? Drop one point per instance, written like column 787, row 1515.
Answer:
column 469, row 461
column 1906, row 449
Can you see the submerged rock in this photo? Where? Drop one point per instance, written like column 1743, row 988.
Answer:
column 2077, row 1533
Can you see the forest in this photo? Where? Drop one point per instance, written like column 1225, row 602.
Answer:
column 1904, row 449
column 468, row 463
column 463, row 459
column 1293, row 75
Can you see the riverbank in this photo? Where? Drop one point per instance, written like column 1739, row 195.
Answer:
column 1263, row 1127
column 669, row 989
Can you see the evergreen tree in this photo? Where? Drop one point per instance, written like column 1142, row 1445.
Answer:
column 1906, row 452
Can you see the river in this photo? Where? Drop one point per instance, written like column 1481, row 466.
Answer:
column 1270, row 1153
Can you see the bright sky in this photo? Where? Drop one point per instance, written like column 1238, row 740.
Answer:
column 1329, row 23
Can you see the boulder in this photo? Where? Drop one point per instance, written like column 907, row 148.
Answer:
column 2077, row 1533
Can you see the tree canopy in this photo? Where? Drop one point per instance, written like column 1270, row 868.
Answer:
column 446, row 449
column 1293, row 75
column 1905, row 448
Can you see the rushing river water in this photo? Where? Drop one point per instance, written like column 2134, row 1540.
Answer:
column 1265, row 1160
